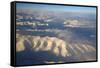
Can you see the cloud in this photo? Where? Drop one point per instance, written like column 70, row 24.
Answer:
column 52, row 62
column 72, row 23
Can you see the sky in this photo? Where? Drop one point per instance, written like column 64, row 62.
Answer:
column 56, row 7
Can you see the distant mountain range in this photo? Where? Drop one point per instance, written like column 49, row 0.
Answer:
column 54, row 45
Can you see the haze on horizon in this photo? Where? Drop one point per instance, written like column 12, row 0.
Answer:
column 63, row 8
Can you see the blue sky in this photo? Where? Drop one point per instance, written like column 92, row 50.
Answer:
column 56, row 8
